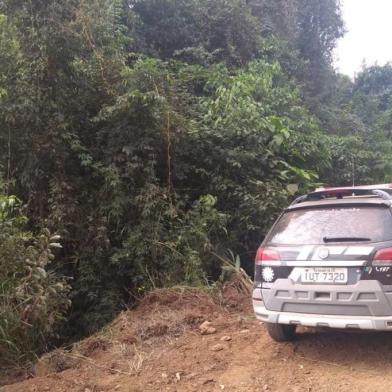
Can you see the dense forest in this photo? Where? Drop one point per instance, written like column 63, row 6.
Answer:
column 143, row 142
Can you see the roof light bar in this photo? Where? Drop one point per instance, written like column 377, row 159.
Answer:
column 370, row 187
column 382, row 190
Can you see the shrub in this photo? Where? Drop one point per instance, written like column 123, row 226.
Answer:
column 32, row 297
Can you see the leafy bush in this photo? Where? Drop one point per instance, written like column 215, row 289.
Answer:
column 33, row 299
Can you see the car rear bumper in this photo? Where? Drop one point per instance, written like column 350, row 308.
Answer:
column 360, row 299
column 383, row 323
column 316, row 320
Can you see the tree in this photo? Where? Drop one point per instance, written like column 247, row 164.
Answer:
column 320, row 25
column 197, row 31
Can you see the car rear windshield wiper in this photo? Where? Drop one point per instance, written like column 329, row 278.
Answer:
column 345, row 239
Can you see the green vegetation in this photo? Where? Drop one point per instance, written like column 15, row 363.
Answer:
column 156, row 135
column 33, row 299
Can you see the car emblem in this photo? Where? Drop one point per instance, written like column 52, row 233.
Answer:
column 268, row 274
column 323, row 253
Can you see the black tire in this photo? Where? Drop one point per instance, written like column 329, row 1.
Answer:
column 281, row 332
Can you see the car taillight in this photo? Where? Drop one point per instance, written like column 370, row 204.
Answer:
column 383, row 257
column 264, row 255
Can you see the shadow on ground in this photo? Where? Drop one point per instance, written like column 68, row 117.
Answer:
column 351, row 348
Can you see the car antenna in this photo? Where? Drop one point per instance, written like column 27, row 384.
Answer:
column 353, row 173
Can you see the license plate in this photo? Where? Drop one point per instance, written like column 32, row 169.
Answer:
column 324, row 275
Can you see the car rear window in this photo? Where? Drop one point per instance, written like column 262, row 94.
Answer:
column 312, row 226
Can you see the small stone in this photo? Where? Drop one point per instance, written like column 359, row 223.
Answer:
column 225, row 338
column 191, row 375
column 204, row 325
column 217, row 347
column 206, row 328
column 178, row 376
column 164, row 376
column 244, row 331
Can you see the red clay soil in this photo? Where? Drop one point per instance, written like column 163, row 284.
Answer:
column 159, row 347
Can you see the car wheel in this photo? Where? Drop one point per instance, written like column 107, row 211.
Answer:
column 281, row 332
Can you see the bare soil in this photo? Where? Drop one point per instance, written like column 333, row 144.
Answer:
column 159, row 347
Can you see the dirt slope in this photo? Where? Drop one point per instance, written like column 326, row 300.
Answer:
column 159, row 347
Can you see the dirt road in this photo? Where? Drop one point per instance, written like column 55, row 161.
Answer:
column 159, row 347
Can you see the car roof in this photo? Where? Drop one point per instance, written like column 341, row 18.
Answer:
column 346, row 201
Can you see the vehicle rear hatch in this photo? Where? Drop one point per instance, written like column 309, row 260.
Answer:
column 319, row 256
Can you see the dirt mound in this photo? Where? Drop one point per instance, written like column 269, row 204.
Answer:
column 124, row 346
column 186, row 340
column 164, row 312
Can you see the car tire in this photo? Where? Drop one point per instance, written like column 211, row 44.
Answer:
column 281, row 332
